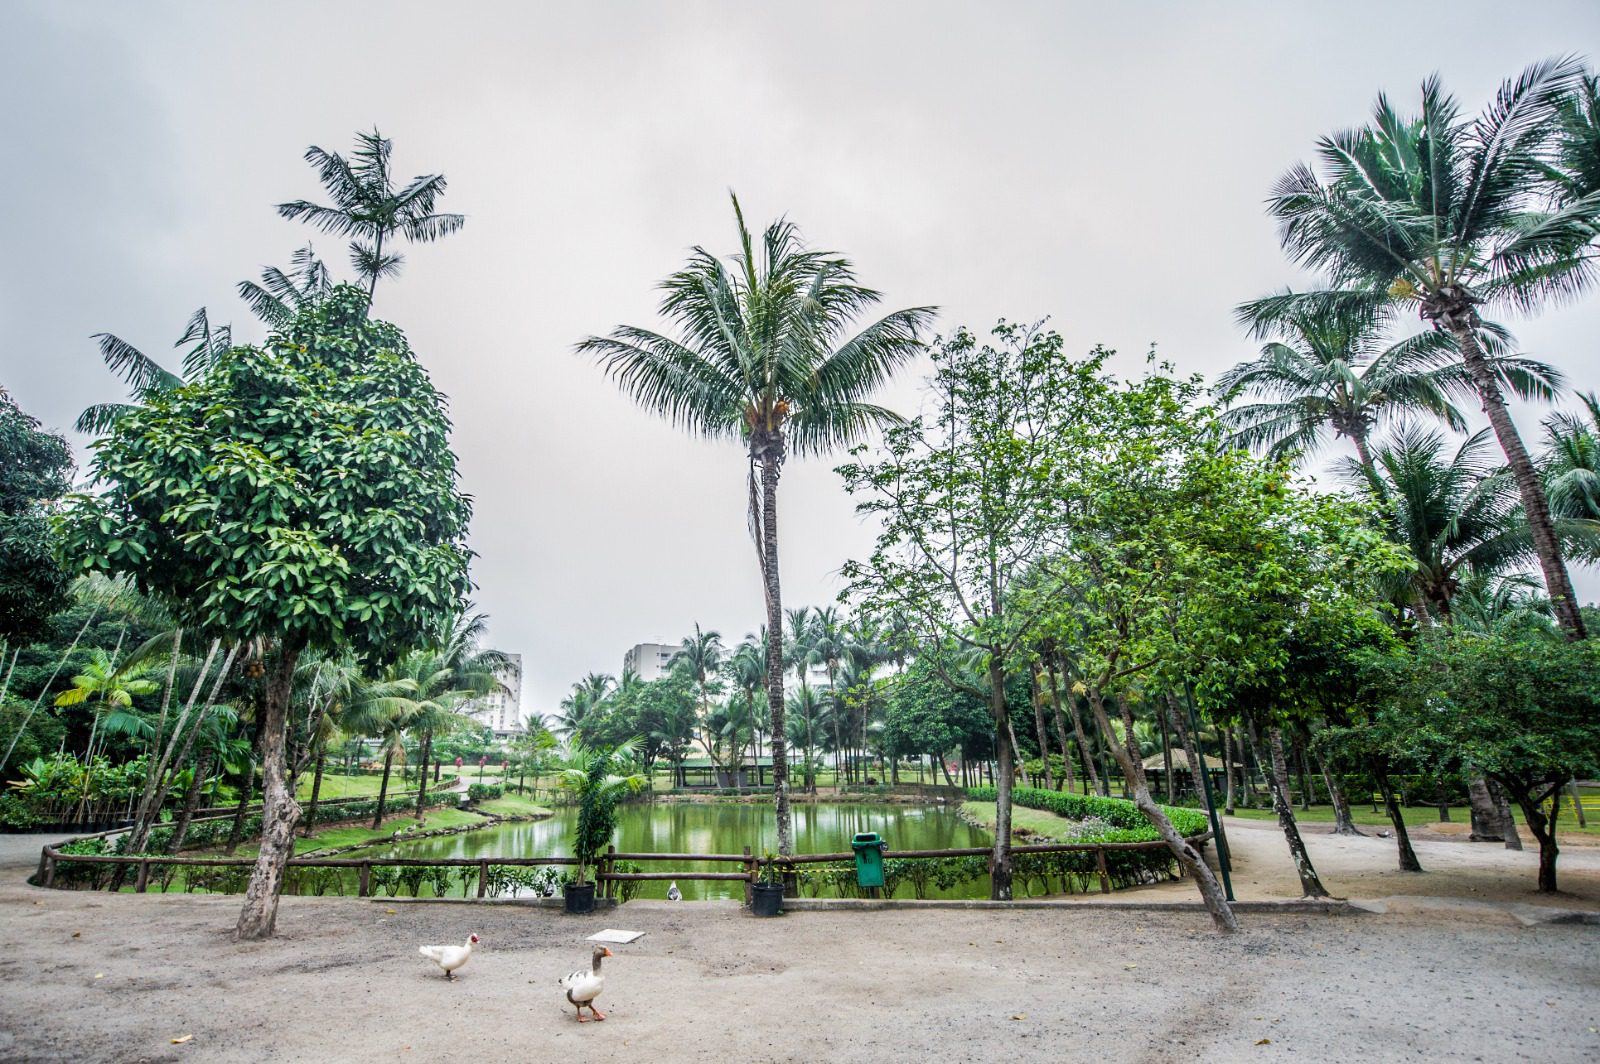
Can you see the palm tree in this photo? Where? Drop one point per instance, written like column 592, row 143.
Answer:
column 280, row 296
column 764, row 359
column 1335, row 369
column 1442, row 213
column 747, row 668
column 581, row 710
column 1574, row 169
column 700, row 656
column 202, row 345
column 383, row 709
column 1453, row 512
column 1572, row 462
column 367, row 206
column 110, row 687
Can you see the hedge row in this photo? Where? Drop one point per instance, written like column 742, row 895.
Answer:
column 484, row 792
column 1117, row 812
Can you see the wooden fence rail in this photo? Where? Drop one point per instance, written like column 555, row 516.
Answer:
column 606, row 874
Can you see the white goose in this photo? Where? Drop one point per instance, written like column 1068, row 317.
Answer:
column 673, row 893
column 584, row 986
column 449, row 958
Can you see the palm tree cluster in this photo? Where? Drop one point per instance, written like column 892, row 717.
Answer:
column 713, row 700
column 1440, row 218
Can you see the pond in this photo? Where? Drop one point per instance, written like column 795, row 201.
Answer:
column 722, row 827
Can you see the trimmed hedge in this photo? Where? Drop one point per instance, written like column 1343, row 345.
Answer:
column 484, row 792
column 1118, row 812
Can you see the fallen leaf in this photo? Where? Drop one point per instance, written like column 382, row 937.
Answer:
column 391, row 912
column 1020, row 1016
column 1129, row 967
column 77, row 934
column 182, row 1038
column 1264, row 1042
column 99, row 975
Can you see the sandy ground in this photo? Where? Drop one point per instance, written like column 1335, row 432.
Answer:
column 96, row 977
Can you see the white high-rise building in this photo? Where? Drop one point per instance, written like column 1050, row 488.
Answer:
column 501, row 708
column 650, row 660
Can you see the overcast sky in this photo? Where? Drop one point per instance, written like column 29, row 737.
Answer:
column 1102, row 164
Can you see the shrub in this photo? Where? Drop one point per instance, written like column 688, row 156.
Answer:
column 484, row 792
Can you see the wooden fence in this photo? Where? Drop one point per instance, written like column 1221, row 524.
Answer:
column 51, row 858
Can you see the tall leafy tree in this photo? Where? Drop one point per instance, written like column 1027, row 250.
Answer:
column 368, row 206
column 764, row 357
column 302, row 495
column 35, row 469
column 1445, row 214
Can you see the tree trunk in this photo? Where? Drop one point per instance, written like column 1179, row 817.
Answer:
column 1166, row 752
column 246, row 793
column 383, row 788
column 1485, row 815
column 1191, row 753
column 1061, row 724
column 1535, row 506
column 316, row 794
column 1577, row 805
column 1305, row 774
column 1508, row 823
column 1543, row 829
column 1096, row 780
column 1227, row 769
column 1344, row 823
column 1189, row 858
column 1000, row 857
column 1038, row 725
column 1408, row 856
column 770, row 452
column 280, row 811
column 1278, row 781
column 422, row 779
column 191, row 800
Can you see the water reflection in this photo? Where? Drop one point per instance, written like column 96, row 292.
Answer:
column 671, row 827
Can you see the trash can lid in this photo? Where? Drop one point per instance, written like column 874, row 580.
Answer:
column 865, row 838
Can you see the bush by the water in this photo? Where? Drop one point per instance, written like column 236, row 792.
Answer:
column 1118, row 812
column 484, row 792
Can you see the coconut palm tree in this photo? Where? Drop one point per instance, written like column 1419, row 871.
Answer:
column 383, row 709
column 1453, row 511
column 763, row 358
column 747, row 668
column 368, row 206
column 1442, row 213
column 1574, row 169
column 1336, row 369
column 1572, row 461
column 700, row 658
column 581, row 710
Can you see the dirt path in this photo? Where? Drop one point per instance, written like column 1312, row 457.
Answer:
column 96, row 977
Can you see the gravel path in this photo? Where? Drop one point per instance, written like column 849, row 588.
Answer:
column 96, row 977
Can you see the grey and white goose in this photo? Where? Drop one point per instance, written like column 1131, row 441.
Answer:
column 673, row 893
column 584, row 986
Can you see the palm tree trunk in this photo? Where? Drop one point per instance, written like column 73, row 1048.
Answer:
column 383, row 788
column 422, row 778
column 1227, row 769
column 1535, row 506
column 279, row 811
column 1391, row 805
column 1344, row 822
column 246, row 793
column 316, row 793
column 191, row 800
column 1083, row 740
column 769, row 452
column 1508, row 823
column 1061, row 723
column 1191, row 752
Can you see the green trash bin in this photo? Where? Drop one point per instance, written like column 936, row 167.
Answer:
column 869, row 850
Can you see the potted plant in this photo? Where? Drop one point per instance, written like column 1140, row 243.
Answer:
column 766, row 893
column 596, row 781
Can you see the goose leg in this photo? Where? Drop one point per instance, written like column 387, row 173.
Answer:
column 597, row 1013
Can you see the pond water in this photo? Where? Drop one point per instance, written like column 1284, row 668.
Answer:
column 722, row 827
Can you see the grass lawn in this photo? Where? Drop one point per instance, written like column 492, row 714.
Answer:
column 355, row 834
column 1415, row 816
column 512, row 805
column 1035, row 821
column 336, row 786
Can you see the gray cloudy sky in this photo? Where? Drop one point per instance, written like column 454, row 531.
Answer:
column 1103, row 164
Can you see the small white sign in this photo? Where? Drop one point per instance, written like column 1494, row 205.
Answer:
column 611, row 934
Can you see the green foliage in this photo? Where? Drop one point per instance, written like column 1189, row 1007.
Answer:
column 35, row 469
column 304, row 491
column 595, row 779
column 483, row 792
column 1122, row 815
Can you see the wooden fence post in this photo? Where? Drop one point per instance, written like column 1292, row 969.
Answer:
column 142, row 882
column 483, row 878
column 364, row 880
column 750, row 878
column 608, row 865
column 1105, row 877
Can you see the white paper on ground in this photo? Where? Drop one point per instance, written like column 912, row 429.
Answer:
column 611, row 934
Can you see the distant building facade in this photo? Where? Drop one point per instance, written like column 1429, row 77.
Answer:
column 650, row 660
column 501, row 709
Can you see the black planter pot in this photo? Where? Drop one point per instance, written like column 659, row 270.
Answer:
column 579, row 899
column 766, row 899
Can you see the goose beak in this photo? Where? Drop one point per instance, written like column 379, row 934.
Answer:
column 608, row 952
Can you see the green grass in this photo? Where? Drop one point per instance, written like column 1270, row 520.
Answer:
column 362, row 834
column 513, row 805
column 1034, row 821
column 1414, row 816
column 337, row 786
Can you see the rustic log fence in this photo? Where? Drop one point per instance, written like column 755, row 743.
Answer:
column 52, row 858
